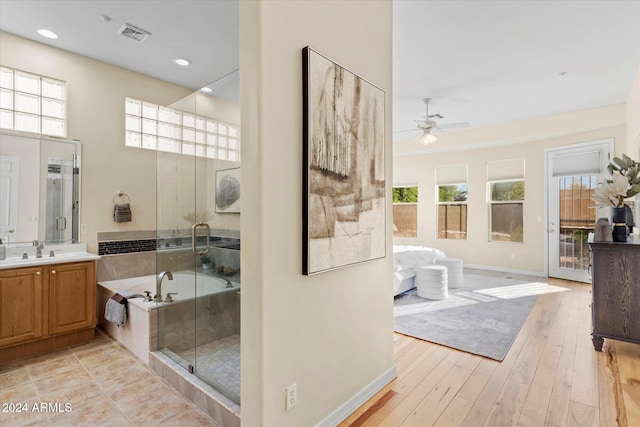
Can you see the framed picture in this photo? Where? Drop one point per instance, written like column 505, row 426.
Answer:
column 228, row 191
column 344, row 209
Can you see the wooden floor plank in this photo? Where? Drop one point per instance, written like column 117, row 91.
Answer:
column 411, row 401
column 534, row 411
column 628, row 359
column 581, row 415
column 506, row 410
column 406, row 386
column 558, row 409
column 437, row 400
column 612, row 410
column 584, row 387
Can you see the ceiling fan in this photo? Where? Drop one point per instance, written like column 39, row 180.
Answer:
column 428, row 124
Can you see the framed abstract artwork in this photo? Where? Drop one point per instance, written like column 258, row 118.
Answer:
column 344, row 208
column 228, row 191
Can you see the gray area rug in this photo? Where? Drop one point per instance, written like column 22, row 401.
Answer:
column 483, row 317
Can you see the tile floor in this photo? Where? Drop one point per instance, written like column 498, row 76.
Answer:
column 218, row 363
column 101, row 383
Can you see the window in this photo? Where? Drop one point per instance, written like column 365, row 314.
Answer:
column 506, row 200
column 452, row 211
column 32, row 103
column 159, row 128
column 405, row 212
column 506, row 211
column 452, row 201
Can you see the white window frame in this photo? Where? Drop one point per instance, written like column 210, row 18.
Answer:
column 439, row 203
column 407, row 204
column 491, row 202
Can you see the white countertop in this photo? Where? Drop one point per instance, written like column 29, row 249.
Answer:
column 62, row 254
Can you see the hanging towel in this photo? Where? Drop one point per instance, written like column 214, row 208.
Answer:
column 122, row 213
column 116, row 309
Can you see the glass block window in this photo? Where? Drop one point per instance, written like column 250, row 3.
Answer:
column 160, row 128
column 32, row 103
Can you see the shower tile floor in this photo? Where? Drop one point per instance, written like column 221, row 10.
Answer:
column 218, row 363
column 101, row 383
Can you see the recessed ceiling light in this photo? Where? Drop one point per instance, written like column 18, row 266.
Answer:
column 206, row 90
column 47, row 33
column 181, row 61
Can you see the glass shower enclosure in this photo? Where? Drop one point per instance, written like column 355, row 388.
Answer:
column 198, row 236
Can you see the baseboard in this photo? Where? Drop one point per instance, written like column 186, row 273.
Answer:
column 350, row 406
column 506, row 270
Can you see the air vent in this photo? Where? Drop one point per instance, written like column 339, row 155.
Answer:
column 135, row 33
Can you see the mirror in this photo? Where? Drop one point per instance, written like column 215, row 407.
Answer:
column 39, row 189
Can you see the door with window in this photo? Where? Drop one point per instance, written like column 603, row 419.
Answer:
column 572, row 175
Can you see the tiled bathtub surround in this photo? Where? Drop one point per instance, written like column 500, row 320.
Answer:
column 133, row 253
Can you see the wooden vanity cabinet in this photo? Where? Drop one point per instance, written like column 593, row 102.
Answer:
column 72, row 297
column 45, row 308
column 21, row 305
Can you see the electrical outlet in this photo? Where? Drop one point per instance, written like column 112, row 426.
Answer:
column 83, row 228
column 513, row 256
column 292, row 396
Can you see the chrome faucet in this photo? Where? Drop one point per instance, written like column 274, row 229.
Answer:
column 161, row 275
column 39, row 246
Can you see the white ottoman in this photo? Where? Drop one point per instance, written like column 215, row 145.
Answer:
column 431, row 282
column 454, row 271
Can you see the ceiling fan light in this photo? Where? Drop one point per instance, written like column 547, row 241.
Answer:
column 428, row 138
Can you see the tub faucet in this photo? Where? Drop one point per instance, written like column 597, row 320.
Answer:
column 161, row 275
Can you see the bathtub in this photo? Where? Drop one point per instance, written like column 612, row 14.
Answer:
column 182, row 285
column 139, row 333
column 217, row 314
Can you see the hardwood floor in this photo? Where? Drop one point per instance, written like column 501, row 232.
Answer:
column 551, row 376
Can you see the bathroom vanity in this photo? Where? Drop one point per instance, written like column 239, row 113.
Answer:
column 616, row 291
column 46, row 304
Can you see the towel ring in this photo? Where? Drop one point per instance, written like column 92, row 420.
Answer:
column 121, row 194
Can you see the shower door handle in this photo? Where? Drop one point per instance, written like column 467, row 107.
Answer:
column 193, row 238
column 64, row 223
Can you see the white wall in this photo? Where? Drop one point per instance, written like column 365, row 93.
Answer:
column 95, row 116
column 633, row 119
column 528, row 256
column 330, row 333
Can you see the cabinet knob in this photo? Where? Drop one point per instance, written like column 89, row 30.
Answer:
column 37, row 273
column 53, row 272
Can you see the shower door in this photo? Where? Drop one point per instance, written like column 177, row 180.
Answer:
column 199, row 329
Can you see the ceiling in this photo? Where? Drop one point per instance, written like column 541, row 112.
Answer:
column 490, row 62
column 482, row 62
column 205, row 32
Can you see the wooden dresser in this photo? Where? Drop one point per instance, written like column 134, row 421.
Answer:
column 616, row 291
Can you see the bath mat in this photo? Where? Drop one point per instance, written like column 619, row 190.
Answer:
column 483, row 317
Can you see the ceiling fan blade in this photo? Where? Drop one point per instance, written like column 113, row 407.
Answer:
column 407, row 130
column 452, row 126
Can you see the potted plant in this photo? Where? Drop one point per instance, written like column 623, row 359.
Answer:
column 206, row 262
column 624, row 183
